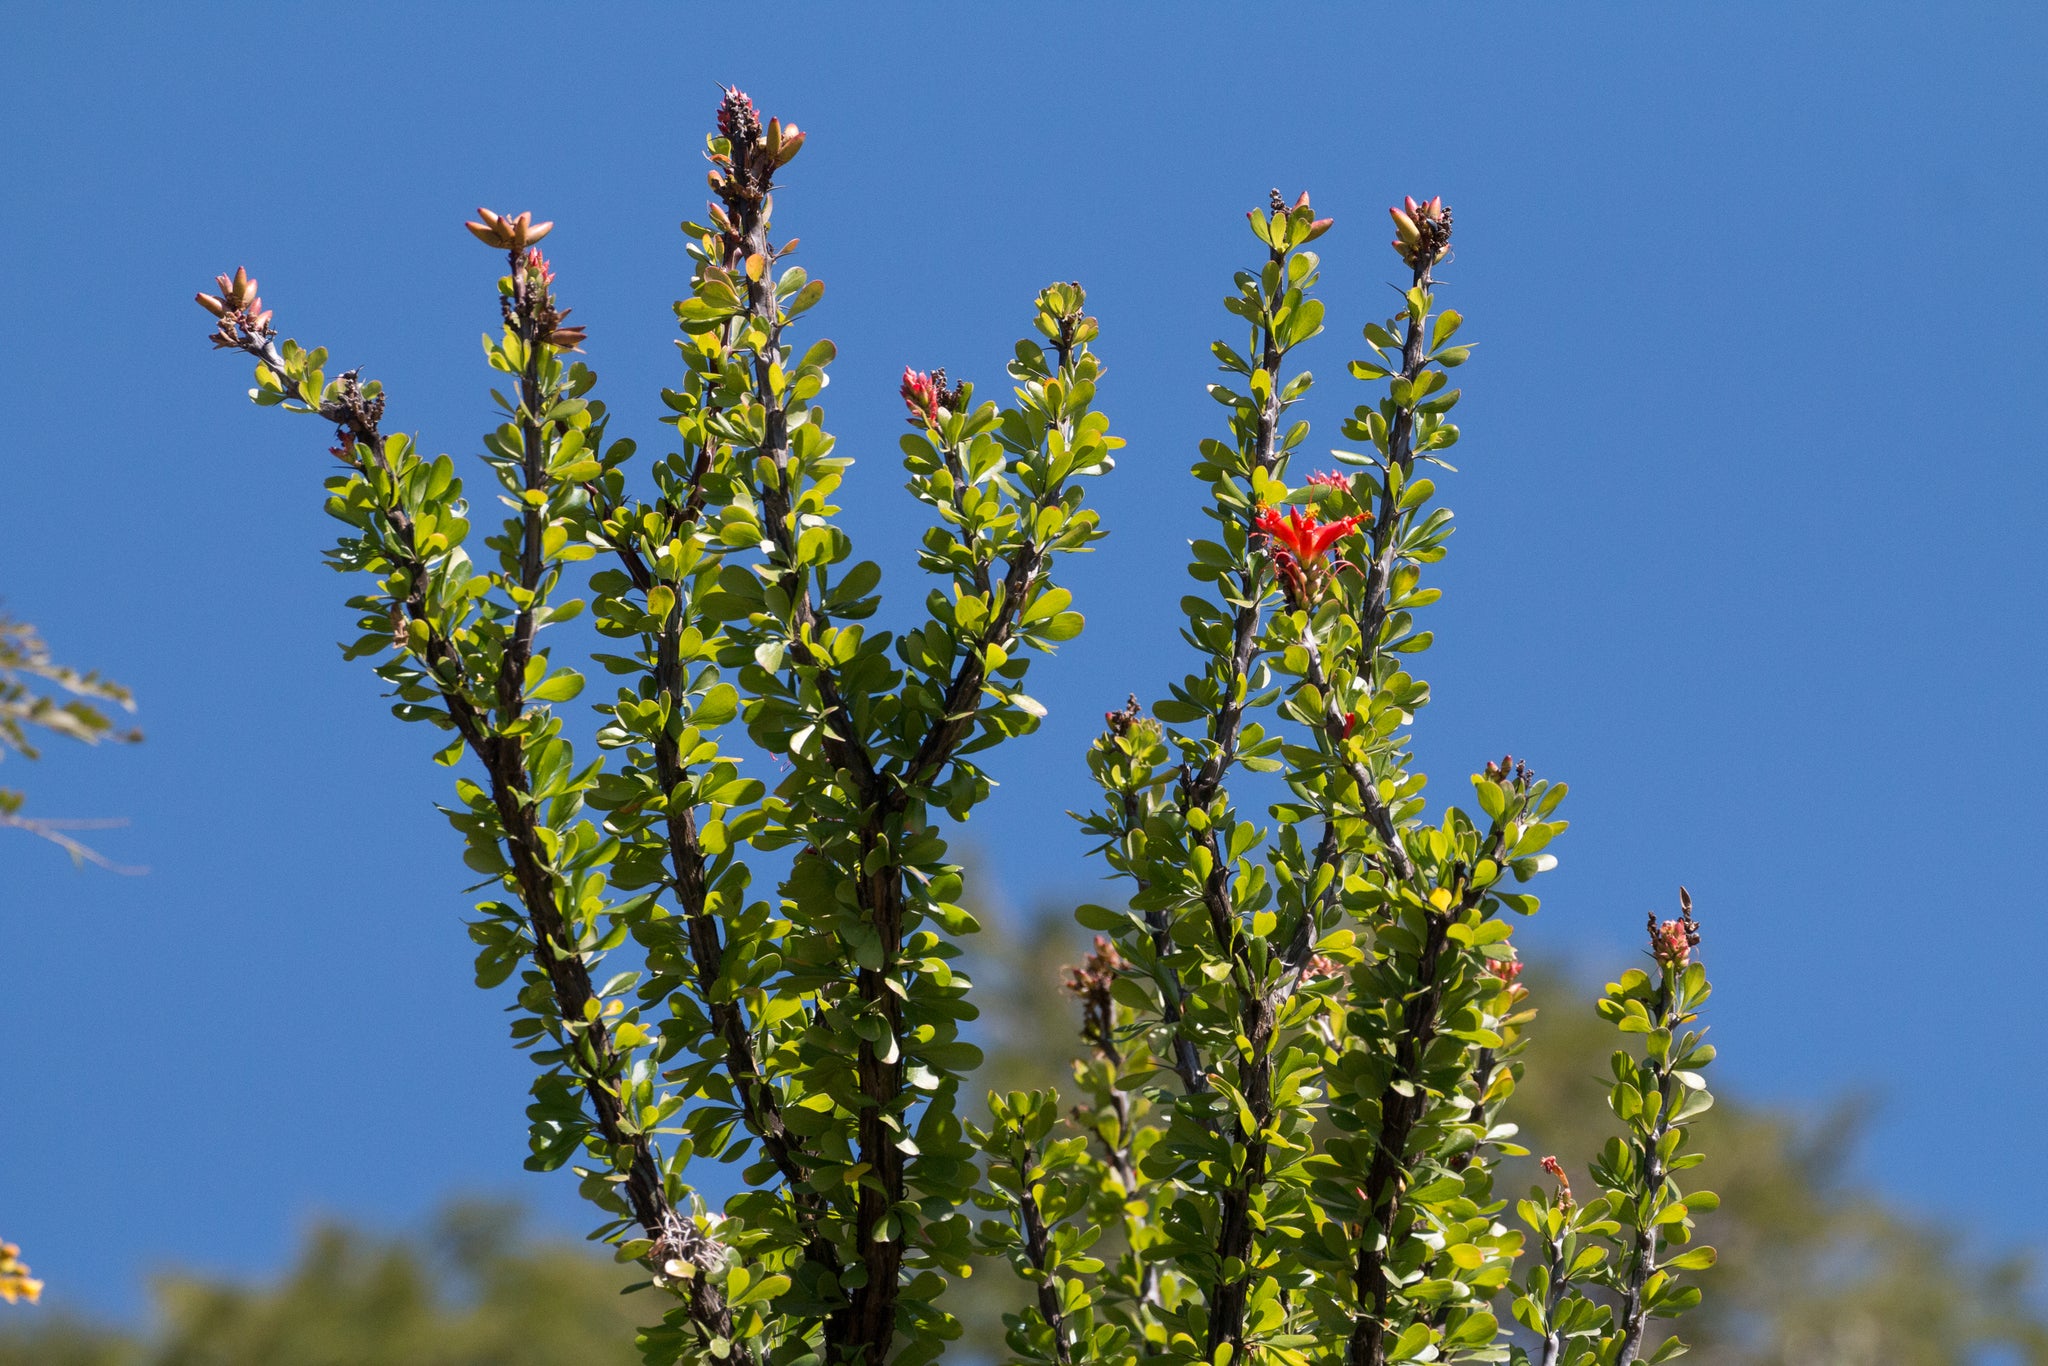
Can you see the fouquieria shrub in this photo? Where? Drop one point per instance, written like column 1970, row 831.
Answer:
column 1300, row 1026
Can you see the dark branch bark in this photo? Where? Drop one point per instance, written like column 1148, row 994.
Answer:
column 1257, row 1014
column 1037, row 1247
column 592, row 1058
column 1187, row 1063
column 1635, row 1318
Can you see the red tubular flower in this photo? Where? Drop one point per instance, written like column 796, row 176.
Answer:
column 1301, row 543
column 1302, row 534
column 921, row 395
column 1564, row 1184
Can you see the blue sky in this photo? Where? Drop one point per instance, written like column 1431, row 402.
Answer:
column 1750, row 504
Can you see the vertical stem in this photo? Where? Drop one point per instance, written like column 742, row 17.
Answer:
column 1635, row 1317
column 1398, row 1112
column 1257, row 1015
column 1037, row 1248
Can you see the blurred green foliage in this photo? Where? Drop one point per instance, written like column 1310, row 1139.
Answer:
column 472, row 1292
column 39, row 696
column 1815, row 1271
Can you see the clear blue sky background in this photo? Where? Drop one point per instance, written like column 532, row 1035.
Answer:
column 1751, row 503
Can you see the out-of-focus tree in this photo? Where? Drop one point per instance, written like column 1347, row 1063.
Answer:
column 39, row 694
column 474, row 1292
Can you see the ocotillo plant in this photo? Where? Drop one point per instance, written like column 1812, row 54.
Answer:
column 1301, row 1035
column 1297, row 1064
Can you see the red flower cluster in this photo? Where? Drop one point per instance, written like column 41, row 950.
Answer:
column 928, row 395
column 1506, row 969
column 1300, row 533
column 921, row 395
column 1672, row 941
column 1329, row 479
column 1301, row 545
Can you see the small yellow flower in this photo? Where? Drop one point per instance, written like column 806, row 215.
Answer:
column 15, row 1282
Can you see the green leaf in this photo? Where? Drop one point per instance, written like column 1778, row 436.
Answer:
column 558, row 687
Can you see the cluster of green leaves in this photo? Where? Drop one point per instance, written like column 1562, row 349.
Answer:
column 37, row 694
column 810, row 1030
column 1617, row 1242
column 1303, row 1030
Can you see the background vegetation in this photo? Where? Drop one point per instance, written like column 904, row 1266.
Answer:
column 1816, row 1271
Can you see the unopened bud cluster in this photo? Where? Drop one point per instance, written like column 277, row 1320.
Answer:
column 534, row 299
column 527, row 295
column 1510, row 770
column 244, row 321
column 1422, row 231
column 1290, row 226
column 743, row 169
column 508, row 233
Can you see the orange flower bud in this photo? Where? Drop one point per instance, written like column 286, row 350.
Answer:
column 511, row 234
